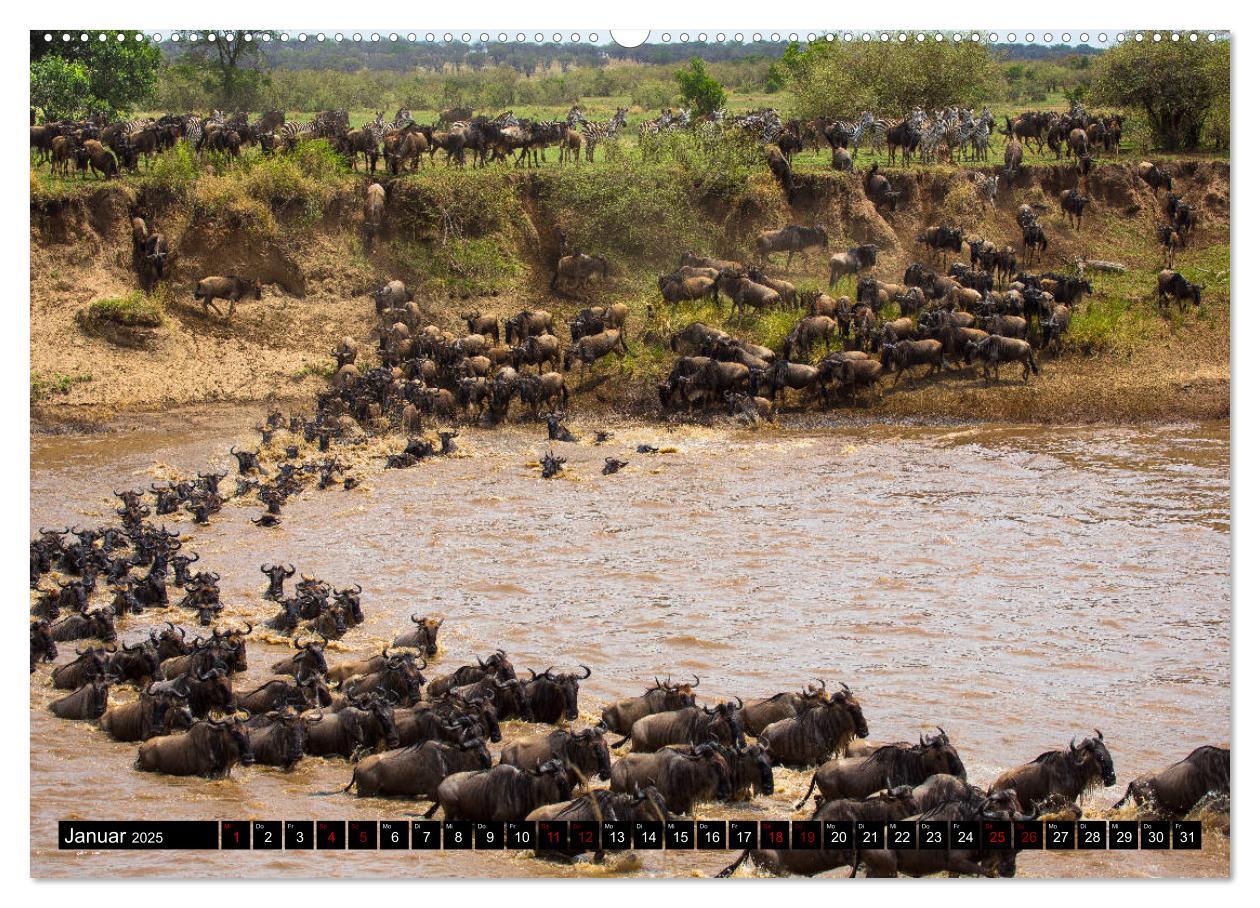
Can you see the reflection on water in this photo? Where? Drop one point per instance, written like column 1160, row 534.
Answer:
column 1016, row 586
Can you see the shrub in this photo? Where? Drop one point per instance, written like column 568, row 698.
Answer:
column 133, row 311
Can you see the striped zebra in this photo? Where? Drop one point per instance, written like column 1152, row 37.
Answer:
column 291, row 133
column 595, row 132
column 980, row 136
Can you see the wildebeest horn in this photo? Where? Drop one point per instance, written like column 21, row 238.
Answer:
column 480, row 664
column 696, row 682
column 532, row 674
column 1099, row 734
column 416, row 620
column 1072, row 744
column 358, row 588
column 922, row 742
column 942, row 731
column 588, row 674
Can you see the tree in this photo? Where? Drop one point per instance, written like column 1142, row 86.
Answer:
column 1176, row 84
column 700, row 91
column 843, row 79
column 61, row 89
column 121, row 75
column 230, row 68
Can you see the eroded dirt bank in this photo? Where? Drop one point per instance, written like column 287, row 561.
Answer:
column 318, row 270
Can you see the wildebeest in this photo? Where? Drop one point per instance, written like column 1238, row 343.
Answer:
column 883, row 806
column 851, row 262
column 43, row 649
column 620, row 717
column 362, row 726
column 1154, row 177
column 423, row 637
column 230, row 288
column 527, row 323
column 757, row 715
column 890, row 765
column 210, row 749
column 98, row 623
column 675, row 288
column 1176, row 790
column 501, row 793
column 88, row 702
column 941, row 239
column 995, row 350
column 91, row 663
column 683, row 778
column 791, row 239
column 417, row 771
column 1172, row 284
column 278, row 738
column 595, row 346
column 1073, row 205
column 573, row 271
column 554, row 696
column 146, row 717
column 744, row 292
column 496, row 665
column 691, row 725
column 907, row 353
column 584, row 753
column 1060, row 775
column 1000, row 806
column 374, row 210
column 816, row 733
column 139, row 662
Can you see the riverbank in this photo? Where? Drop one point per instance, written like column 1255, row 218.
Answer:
column 488, row 239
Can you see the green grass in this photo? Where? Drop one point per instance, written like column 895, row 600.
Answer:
column 132, row 311
column 44, row 386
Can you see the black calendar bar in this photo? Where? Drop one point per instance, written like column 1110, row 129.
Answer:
column 586, row 835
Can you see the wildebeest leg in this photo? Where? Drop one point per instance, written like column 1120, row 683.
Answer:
column 210, row 304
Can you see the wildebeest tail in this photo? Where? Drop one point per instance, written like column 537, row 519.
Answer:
column 622, row 741
column 812, row 782
column 731, row 868
column 428, row 814
column 354, row 777
column 1128, row 793
column 1032, row 362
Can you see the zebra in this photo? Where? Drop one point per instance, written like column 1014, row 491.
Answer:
column 980, row 136
column 593, row 132
column 291, row 133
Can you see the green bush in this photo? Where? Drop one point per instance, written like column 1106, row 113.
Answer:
column 132, row 311
column 44, row 386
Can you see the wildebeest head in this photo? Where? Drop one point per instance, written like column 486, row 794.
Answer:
column 512, row 699
column 711, row 754
column 751, row 767
column 552, row 780
column 1092, row 756
column 725, row 723
column 854, row 709
column 550, row 688
column 383, row 712
column 426, row 633
column 498, row 665
column 228, row 734
column 587, row 750
column 290, row 735
column 474, row 743
column 42, row 646
column 937, row 755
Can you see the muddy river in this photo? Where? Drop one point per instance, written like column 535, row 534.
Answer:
column 1015, row 585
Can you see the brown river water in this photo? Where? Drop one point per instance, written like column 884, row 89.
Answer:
column 1015, row 585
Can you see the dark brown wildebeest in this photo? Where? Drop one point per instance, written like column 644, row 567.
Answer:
column 103, row 161
column 206, row 691
column 584, row 753
column 890, row 765
column 1000, row 806
column 423, row 637
column 1172, row 240
column 1073, row 206
column 1172, row 284
column 791, row 239
column 210, row 749
column 88, row 702
column 309, row 657
column 994, row 350
column 43, row 649
column 90, row 664
column 602, row 805
column 692, row 725
column 152, row 714
column 907, row 353
column 139, row 663
column 527, row 323
column 278, row 738
column 554, row 696
column 676, row 289
column 399, row 678
column 98, row 623
column 230, row 288
column 809, row 331
column 306, row 691
column 620, row 717
column 1154, row 177
column 362, row 726
column 1176, row 790
column 784, row 705
column 1060, row 775
column 682, row 777
column 485, row 325
column 419, row 770
column 884, row 806
column 817, row 733
column 497, row 665
column 502, row 793
column 509, row 697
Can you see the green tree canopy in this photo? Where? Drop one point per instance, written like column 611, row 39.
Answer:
column 109, row 76
column 1176, row 84
column 843, row 79
column 230, row 69
column 700, row 91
